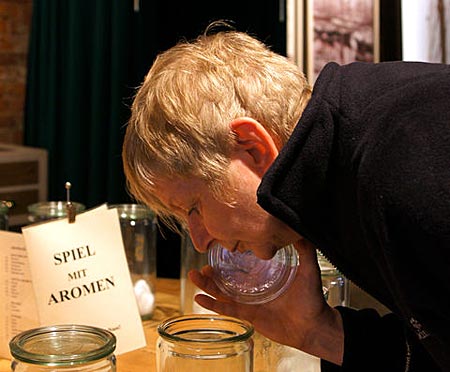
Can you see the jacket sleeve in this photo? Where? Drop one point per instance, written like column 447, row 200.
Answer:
column 404, row 199
column 378, row 343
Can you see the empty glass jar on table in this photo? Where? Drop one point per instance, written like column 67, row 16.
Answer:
column 50, row 210
column 190, row 259
column 334, row 284
column 139, row 233
column 201, row 342
column 67, row 348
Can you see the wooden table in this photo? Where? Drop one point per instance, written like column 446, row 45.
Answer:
column 167, row 305
column 267, row 354
column 143, row 360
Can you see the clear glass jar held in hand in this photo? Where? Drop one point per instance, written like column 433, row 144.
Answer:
column 67, row 348
column 249, row 279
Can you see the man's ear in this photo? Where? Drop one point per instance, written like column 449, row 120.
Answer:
column 254, row 145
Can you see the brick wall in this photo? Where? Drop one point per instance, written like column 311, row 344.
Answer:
column 15, row 21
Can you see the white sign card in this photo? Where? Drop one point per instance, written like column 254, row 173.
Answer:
column 18, row 310
column 80, row 275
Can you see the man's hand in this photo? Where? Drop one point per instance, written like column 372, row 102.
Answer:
column 300, row 317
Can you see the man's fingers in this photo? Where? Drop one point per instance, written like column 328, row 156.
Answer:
column 203, row 280
column 228, row 307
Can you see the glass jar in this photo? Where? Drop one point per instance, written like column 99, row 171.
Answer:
column 64, row 348
column 50, row 210
column 139, row 233
column 334, row 284
column 274, row 357
column 248, row 279
column 204, row 342
column 190, row 259
column 4, row 209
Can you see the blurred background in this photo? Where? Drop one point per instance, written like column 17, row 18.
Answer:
column 69, row 70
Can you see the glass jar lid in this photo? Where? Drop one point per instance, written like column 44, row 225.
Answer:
column 62, row 345
column 248, row 279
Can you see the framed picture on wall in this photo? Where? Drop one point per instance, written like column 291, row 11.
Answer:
column 342, row 31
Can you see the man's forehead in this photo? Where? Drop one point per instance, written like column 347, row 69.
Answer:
column 175, row 191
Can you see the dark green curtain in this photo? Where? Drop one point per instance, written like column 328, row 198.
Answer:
column 85, row 59
column 84, row 62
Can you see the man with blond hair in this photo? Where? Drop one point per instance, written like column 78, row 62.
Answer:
column 227, row 140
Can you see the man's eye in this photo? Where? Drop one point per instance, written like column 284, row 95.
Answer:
column 192, row 210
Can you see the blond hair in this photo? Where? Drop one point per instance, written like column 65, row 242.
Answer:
column 179, row 125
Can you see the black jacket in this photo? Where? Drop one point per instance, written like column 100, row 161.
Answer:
column 365, row 176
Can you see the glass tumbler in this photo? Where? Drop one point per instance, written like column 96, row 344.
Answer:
column 51, row 210
column 64, row 348
column 138, row 227
column 204, row 342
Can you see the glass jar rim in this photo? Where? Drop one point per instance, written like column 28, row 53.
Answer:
column 209, row 322
column 133, row 211
column 53, row 208
column 66, row 333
